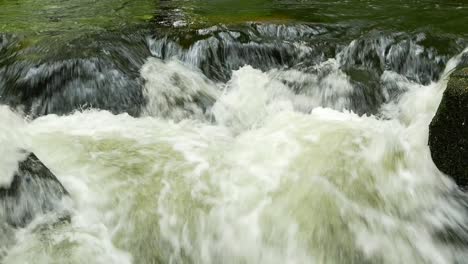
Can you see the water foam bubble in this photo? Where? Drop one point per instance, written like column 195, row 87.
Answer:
column 176, row 91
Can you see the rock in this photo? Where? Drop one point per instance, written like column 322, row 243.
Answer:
column 448, row 131
column 34, row 190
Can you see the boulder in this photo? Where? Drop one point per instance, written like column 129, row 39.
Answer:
column 34, row 190
column 448, row 131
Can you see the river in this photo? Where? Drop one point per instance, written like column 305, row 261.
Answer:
column 233, row 131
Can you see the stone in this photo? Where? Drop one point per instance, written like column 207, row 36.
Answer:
column 34, row 190
column 448, row 131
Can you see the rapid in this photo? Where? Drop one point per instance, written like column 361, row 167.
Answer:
column 247, row 145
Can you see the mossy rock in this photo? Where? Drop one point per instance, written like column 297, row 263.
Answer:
column 448, row 131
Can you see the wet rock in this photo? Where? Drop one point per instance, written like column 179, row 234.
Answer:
column 60, row 78
column 34, row 190
column 408, row 55
column 219, row 50
column 448, row 131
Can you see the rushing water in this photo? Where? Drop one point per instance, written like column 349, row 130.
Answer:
column 233, row 132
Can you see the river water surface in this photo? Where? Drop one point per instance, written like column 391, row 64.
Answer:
column 233, row 131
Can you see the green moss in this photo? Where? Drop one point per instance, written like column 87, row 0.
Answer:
column 31, row 16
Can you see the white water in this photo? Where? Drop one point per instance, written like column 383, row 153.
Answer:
column 267, row 177
column 12, row 138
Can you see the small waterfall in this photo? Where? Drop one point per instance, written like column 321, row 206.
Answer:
column 185, row 141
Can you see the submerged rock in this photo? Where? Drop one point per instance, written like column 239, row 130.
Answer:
column 448, row 131
column 34, row 190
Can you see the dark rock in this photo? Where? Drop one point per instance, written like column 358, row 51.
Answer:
column 448, row 131
column 34, row 190
column 60, row 77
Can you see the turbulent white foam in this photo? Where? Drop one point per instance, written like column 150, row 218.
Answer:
column 12, row 140
column 248, row 98
column 176, row 91
column 325, row 86
column 274, row 178
column 419, row 103
column 276, row 193
column 252, row 95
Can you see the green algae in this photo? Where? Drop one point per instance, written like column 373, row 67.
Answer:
column 58, row 17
